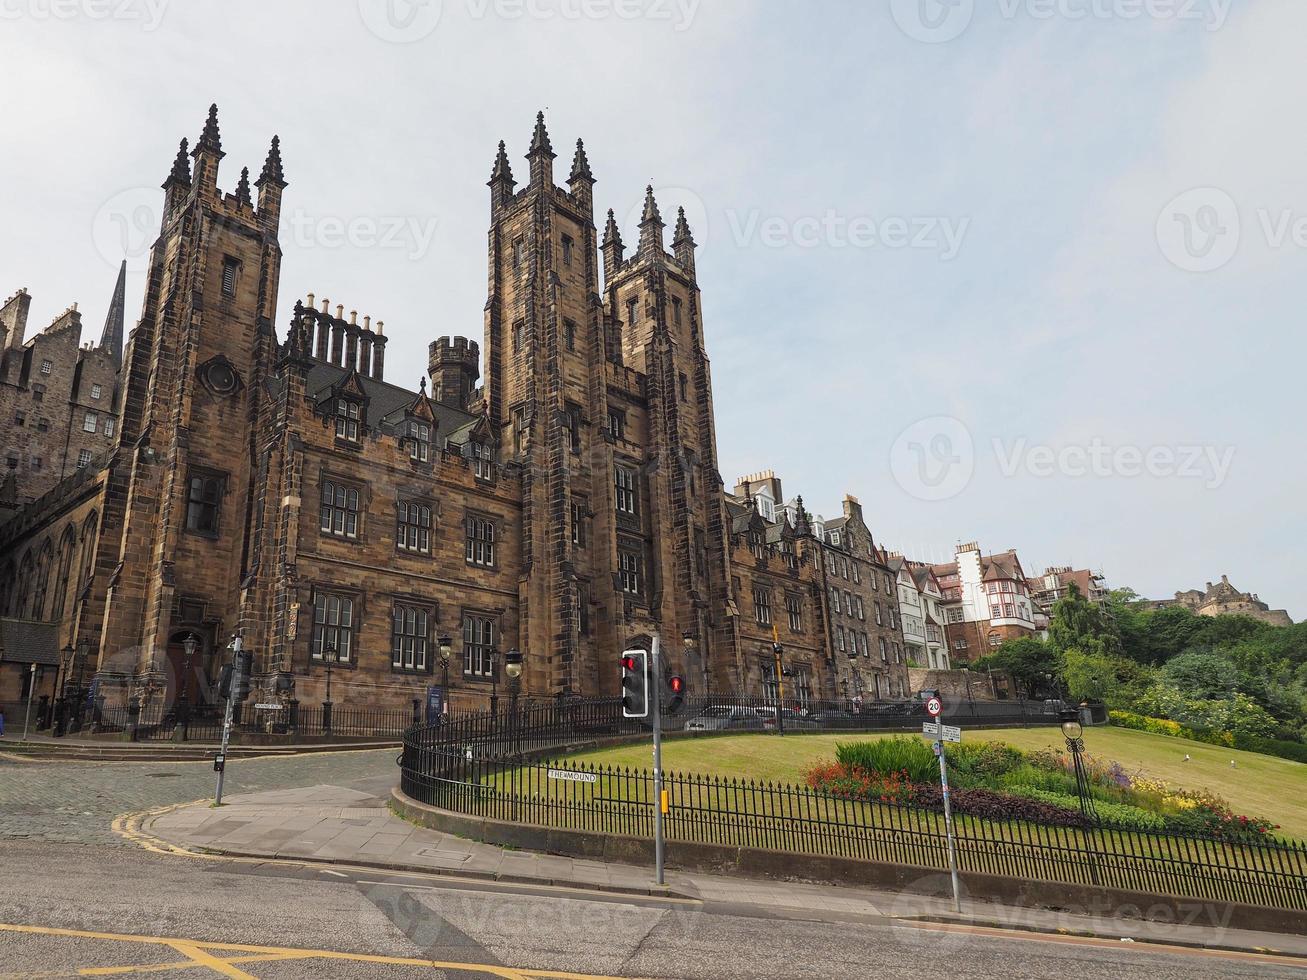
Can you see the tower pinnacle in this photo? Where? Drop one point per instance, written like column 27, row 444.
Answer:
column 651, row 224
column 541, row 155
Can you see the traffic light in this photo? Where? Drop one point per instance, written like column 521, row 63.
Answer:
column 635, row 684
column 675, row 693
column 241, row 682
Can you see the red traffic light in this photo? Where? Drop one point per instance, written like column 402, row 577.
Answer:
column 677, row 684
column 628, row 663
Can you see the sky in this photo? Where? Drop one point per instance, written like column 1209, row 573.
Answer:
column 1019, row 272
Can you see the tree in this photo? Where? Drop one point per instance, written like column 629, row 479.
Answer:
column 1078, row 624
column 1028, row 659
column 1202, row 674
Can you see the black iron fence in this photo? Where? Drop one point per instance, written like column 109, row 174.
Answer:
column 203, row 723
column 482, row 765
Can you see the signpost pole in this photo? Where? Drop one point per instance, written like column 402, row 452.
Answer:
column 656, row 706
column 221, row 762
column 31, row 689
column 936, row 731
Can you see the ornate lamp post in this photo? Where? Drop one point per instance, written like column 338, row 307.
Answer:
column 61, row 705
column 189, row 646
column 778, row 652
column 328, row 661
column 494, row 683
column 513, row 668
column 1072, row 732
column 446, row 649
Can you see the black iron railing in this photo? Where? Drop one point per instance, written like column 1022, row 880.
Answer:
column 487, row 766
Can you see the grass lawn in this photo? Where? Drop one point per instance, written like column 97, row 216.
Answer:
column 1258, row 785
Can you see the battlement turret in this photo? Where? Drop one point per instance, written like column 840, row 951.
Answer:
column 455, row 366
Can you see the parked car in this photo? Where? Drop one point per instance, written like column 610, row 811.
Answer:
column 794, row 719
column 723, row 717
column 832, row 718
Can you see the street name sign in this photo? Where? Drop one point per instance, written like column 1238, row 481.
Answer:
column 941, row 732
column 574, row 777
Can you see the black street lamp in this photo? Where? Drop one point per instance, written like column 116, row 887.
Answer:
column 328, row 661
column 61, row 704
column 1072, row 731
column 446, row 649
column 513, row 668
column 778, row 652
column 493, row 654
column 189, row 646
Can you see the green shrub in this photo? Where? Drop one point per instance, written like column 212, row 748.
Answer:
column 1033, row 777
column 1294, row 751
column 900, row 754
column 985, row 760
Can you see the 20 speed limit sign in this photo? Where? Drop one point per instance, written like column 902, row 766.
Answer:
column 933, row 707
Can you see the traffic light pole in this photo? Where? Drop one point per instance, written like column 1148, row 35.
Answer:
column 220, row 763
column 656, row 706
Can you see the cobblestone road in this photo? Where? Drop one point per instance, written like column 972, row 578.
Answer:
column 75, row 802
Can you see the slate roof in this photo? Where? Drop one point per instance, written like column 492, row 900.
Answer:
column 387, row 403
column 25, row 642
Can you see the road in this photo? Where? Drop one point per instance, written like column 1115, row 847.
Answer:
column 76, row 900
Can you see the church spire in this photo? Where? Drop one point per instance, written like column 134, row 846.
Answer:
column 272, row 172
column 501, row 182
column 271, row 184
column 111, row 337
column 208, row 154
column 243, row 187
column 181, row 168
column 541, row 155
column 612, row 246
column 683, row 245
column 580, row 165
column 651, row 224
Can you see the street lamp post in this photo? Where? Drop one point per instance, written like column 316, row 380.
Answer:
column 328, row 661
column 494, row 685
column 779, row 653
column 189, row 646
column 1072, row 731
column 61, row 704
column 446, row 648
column 513, row 668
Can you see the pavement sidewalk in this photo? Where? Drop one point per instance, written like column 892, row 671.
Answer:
column 336, row 824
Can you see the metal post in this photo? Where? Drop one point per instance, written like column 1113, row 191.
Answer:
column 780, row 681
column 656, row 706
column 31, row 689
column 948, row 819
column 226, row 720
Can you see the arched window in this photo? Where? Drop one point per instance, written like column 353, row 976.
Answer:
column 89, row 542
column 26, row 579
column 40, row 589
column 8, row 589
column 67, row 545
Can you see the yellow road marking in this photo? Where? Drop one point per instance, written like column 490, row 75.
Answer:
column 212, row 962
column 108, row 971
column 200, row 953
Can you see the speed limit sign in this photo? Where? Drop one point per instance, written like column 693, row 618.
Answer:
column 933, row 707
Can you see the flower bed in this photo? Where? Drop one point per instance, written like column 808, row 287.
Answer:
column 996, row 781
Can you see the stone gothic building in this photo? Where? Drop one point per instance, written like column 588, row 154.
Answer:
column 288, row 491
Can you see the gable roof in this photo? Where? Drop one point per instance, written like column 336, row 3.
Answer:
column 25, row 642
column 387, row 404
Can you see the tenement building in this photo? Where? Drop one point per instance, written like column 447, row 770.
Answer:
column 553, row 488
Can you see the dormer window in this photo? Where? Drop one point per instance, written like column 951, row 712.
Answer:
column 419, row 441
column 482, row 461
column 757, row 545
column 348, row 417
